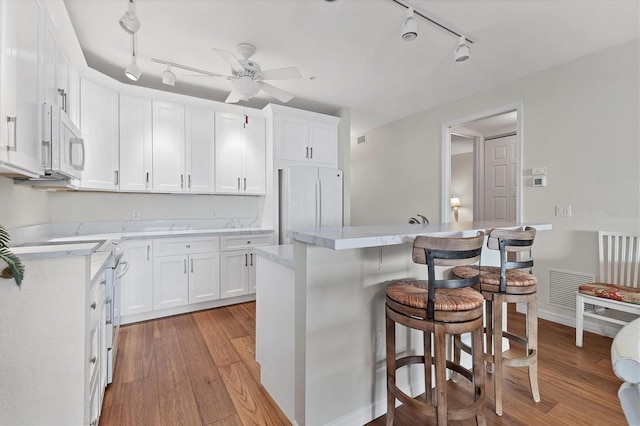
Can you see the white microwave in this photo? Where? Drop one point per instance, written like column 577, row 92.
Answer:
column 62, row 145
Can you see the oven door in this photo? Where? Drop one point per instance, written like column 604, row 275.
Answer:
column 113, row 316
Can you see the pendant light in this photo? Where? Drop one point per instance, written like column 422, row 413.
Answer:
column 133, row 71
column 168, row 77
column 463, row 51
column 129, row 21
column 410, row 26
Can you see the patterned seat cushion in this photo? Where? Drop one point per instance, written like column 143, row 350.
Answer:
column 612, row 291
column 491, row 276
column 414, row 293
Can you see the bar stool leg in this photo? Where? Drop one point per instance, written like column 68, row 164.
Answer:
column 497, row 351
column 391, row 368
column 478, row 371
column 488, row 303
column 441, row 374
column 532, row 345
column 428, row 397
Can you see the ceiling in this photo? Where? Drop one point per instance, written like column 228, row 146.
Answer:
column 350, row 52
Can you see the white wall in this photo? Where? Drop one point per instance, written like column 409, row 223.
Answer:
column 580, row 121
column 20, row 205
column 462, row 185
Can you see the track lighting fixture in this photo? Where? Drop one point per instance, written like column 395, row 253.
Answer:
column 133, row 71
column 168, row 77
column 410, row 26
column 129, row 21
column 463, row 51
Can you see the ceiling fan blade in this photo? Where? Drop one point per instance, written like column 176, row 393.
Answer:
column 279, row 94
column 281, row 74
column 233, row 97
column 203, row 75
column 231, row 59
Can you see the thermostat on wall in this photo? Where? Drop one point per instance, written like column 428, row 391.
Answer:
column 539, row 181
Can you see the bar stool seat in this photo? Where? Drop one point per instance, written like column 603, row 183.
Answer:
column 437, row 308
column 518, row 282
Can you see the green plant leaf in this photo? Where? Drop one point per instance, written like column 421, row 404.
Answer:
column 14, row 265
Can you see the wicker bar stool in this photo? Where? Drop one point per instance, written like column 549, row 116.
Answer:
column 507, row 284
column 437, row 307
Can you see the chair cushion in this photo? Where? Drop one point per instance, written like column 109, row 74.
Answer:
column 612, row 291
column 414, row 293
column 491, row 276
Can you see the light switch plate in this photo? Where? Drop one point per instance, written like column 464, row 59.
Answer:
column 563, row 210
column 539, row 171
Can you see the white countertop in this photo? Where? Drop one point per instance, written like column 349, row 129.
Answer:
column 384, row 235
column 35, row 251
column 282, row 254
column 142, row 235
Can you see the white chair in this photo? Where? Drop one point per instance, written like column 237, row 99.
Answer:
column 625, row 360
column 618, row 288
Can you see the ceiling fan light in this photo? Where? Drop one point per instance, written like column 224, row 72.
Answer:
column 410, row 27
column 133, row 71
column 129, row 21
column 246, row 87
column 463, row 52
column 168, row 77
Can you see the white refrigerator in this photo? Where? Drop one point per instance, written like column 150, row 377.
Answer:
column 310, row 197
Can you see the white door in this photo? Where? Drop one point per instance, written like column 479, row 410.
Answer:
column 323, row 144
column 330, row 191
column 168, row 147
column 204, row 277
column 228, row 152
column 135, row 144
column 200, row 150
column 302, row 206
column 254, row 156
column 233, row 273
column 500, row 180
column 137, row 284
column 171, row 281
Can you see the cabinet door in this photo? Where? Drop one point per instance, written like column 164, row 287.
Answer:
column 323, row 144
column 49, row 68
column 137, row 283
column 234, row 273
column 200, row 149
column 228, row 152
column 19, row 134
column 204, row 277
column 62, row 75
column 294, row 139
column 99, row 125
column 254, row 157
column 168, row 147
column 171, row 283
column 135, row 144
column 73, row 96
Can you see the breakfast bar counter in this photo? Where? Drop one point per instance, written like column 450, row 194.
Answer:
column 320, row 319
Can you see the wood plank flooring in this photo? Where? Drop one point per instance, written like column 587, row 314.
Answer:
column 200, row 369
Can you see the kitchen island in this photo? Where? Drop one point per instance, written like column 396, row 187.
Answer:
column 320, row 317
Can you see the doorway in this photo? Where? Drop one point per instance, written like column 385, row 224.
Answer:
column 482, row 166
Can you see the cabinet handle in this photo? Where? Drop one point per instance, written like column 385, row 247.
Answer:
column 238, row 184
column 311, row 152
column 307, row 156
column 185, row 266
column 93, row 359
column 146, row 183
column 181, row 181
column 246, row 260
column 251, row 258
column 245, row 184
column 103, row 282
column 191, row 261
column 117, row 174
column 13, row 120
column 93, row 305
column 148, row 251
column 189, row 181
column 63, row 95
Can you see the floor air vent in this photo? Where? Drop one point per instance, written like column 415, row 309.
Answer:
column 563, row 286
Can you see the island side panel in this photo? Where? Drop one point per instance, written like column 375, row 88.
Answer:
column 345, row 381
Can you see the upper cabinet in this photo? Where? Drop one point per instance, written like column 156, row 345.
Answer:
column 19, row 96
column 303, row 137
column 99, row 126
column 135, row 144
column 200, row 152
column 240, row 154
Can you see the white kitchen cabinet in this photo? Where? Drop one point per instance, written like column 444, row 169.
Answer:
column 237, row 264
column 304, row 137
column 99, row 126
column 168, row 147
column 187, row 270
column 137, row 283
column 240, row 154
column 200, row 151
column 135, row 173
column 20, row 147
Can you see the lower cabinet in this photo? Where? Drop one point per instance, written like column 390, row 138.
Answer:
column 237, row 264
column 187, row 271
column 137, row 283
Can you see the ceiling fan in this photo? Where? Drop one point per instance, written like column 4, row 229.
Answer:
column 247, row 78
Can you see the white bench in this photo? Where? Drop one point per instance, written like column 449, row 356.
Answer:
column 619, row 282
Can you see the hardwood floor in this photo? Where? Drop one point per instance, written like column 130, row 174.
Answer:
column 200, row 369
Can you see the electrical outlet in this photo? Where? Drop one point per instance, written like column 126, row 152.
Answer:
column 539, row 171
column 563, row 210
column 136, row 215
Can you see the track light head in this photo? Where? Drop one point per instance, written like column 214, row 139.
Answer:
column 410, row 26
column 133, row 71
column 463, row 51
column 168, row 77
column 129, row 21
